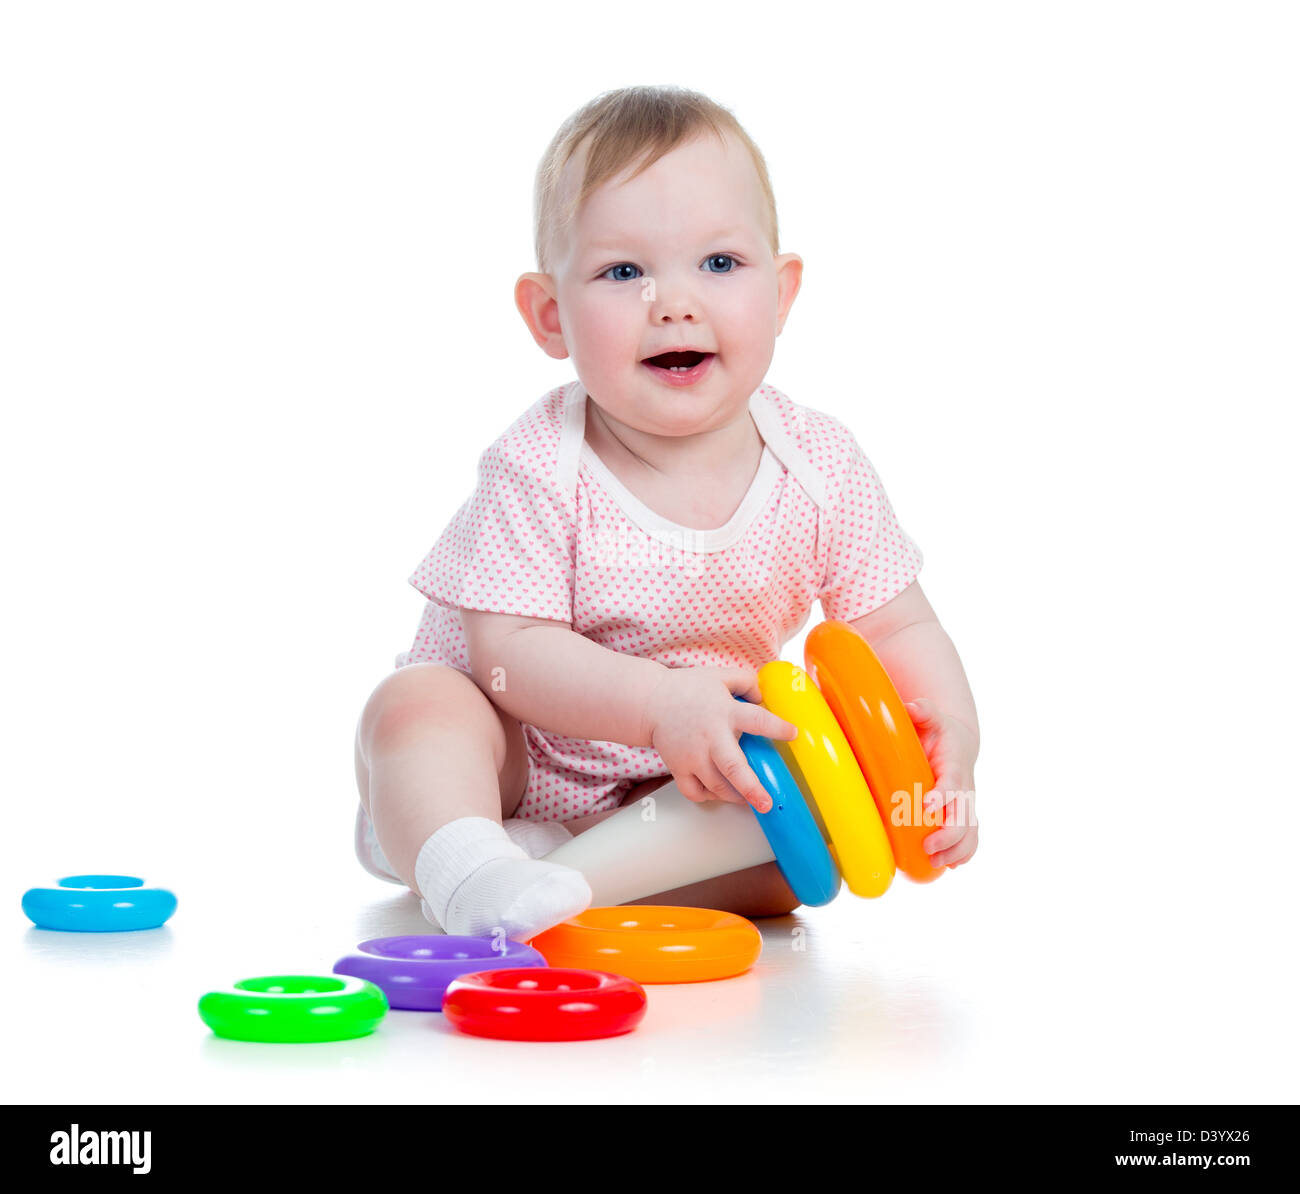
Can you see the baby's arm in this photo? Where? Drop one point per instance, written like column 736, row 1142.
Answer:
column 923, row 663
column 543, row 673
column 919, row 656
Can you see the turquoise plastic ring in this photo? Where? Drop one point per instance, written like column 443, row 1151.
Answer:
column 294, row 1008
column 98, row 904
column 790, row 827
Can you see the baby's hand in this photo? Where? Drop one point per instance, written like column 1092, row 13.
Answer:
column 950, row 747
column 695, row 724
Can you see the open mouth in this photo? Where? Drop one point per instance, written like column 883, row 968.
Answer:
column 677, row 362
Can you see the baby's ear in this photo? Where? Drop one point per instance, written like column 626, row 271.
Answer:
column 538, row 305
column 789, row 277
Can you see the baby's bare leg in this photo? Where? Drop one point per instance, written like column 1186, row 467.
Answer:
column 431, row 748
column 755, row 892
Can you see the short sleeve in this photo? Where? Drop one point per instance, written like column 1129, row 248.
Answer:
column 509, row 548
column 870, row 558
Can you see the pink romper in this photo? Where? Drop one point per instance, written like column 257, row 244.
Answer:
column 550, row 532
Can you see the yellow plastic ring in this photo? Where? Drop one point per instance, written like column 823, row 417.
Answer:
column 833, row 777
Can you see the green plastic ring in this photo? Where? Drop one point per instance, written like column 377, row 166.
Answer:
column 295, row 1007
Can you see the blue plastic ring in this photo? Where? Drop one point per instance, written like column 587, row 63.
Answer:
column 790, row 828
column 413, row 972
column 98, row 904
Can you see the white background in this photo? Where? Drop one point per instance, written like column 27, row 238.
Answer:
column 256, row 324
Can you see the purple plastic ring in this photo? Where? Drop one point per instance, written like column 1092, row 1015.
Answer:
column 414, row 971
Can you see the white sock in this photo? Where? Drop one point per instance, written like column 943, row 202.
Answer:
column 475, row 880
column 536, row 838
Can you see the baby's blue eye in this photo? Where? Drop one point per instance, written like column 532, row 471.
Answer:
column 727, row 260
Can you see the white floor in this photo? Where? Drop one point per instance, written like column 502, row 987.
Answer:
column 959, row 991
column 1125, row 932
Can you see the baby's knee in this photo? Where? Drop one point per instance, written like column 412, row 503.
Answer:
column 421, row 694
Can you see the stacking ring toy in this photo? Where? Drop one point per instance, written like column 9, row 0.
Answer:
column 654, row 943
column 833, row 777
column 294, row 1007
column 881, row 735
column 790, row 829
column 98, row 904
column 414, row 971
column 544, row 1004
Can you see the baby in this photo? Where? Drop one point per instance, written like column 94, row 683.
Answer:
column 640, row 541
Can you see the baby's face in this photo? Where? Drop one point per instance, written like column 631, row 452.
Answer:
column 677, row 258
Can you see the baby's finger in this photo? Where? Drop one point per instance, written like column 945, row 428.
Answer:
column 692, row 789
column 735, row 767
column 958, row 854
column 939, row 841
column 717, row 784
column 743, row 681
column 922, row 711
column 754, row 719
column 957, row 804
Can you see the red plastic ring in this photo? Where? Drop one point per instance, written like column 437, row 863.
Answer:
column 543, row 1003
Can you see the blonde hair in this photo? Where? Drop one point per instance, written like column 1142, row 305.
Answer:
column 627, row 125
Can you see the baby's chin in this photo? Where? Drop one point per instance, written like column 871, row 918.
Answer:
column 673, row 416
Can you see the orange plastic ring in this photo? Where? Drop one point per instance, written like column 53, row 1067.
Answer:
column 881, row 735
column 653, row 943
